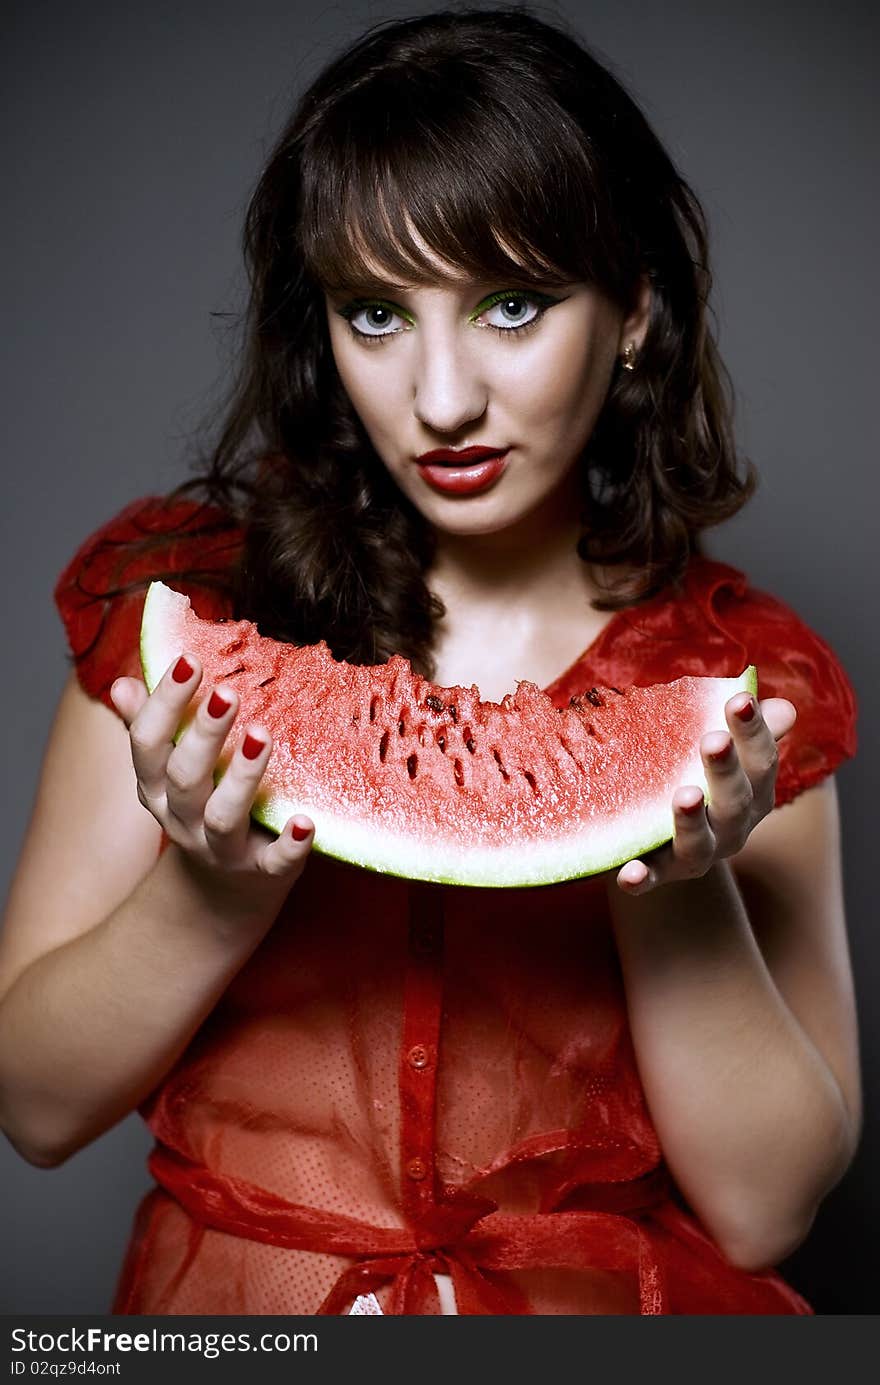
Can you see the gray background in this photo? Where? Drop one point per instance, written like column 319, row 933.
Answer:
column 134, row 134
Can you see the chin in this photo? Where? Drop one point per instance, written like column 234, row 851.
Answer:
column 468, row 519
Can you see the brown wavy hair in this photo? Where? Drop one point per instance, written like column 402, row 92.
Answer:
column 513, row 154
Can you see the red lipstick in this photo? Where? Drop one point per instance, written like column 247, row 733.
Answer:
column 463, row 470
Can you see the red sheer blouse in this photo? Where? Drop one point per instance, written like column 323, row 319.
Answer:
column 407, row 1079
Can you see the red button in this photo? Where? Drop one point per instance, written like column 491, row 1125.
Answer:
column 416, row 1169
column 418, row 1057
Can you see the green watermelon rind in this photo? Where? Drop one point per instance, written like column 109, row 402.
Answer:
column 520, row 865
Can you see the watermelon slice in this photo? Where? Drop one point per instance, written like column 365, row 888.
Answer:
column 405, row 777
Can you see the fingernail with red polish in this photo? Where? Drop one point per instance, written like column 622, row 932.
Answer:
column 217, row 705
column 718, row 755
column 299, row 833
column 746, row 712
column 691, row 808
column 251, row 747
column 182, row 671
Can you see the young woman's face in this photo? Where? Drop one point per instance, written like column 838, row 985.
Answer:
column 449, row 367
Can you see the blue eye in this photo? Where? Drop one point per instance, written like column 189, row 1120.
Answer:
column 374, row 320
column 512, row 310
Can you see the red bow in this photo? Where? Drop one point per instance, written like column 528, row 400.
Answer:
column 462, row 1235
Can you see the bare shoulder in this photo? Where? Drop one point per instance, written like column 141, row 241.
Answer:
column 791, row 879
column 88, row 842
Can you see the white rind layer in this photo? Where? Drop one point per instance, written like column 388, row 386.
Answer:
column 522, row 862
column 163, row 607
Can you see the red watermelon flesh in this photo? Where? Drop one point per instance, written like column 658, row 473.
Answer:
column 402, row 776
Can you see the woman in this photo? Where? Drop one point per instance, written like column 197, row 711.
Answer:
column 628, row 1094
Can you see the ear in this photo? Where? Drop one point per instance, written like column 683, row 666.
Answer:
column 635, row 323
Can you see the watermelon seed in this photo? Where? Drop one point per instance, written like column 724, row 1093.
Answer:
column 453, row 712
column 230, row 648
column 434, row 703
column 383, row 747
column 423, row 735
column 240, row 669
column 401, row 725
column 470, row 743
column 458, row 772
column 374, row 707
column 412, row 765
column 441, row 743
column 504, row 775
column 266, row 681
column 530, row 779
column 593, row 696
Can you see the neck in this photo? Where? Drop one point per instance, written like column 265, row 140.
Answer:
column 529, row 563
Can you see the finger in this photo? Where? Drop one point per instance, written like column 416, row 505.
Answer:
column 756, row 727
column 633, row 876
column 153, row 728
column 779, row 714
column 128, row 695
column 690, row 853
column 288, row 854
column 192, row 764
column 227, row 811
column 730, row 813
column 694, row 843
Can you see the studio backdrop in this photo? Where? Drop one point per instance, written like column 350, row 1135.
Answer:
column 134, row 134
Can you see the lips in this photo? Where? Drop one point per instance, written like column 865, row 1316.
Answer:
column 459, row 456
column 462, row 471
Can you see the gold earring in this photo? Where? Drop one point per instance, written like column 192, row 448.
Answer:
column 628, row 359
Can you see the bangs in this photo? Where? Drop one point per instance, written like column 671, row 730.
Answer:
column 418, row 180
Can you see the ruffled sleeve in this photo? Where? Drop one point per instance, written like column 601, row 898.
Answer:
column 793, row 661
column 100, row 594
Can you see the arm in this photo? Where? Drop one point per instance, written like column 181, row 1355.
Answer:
column 109, row 958
column 742, row 1012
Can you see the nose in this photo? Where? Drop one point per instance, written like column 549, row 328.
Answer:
column 449, row 390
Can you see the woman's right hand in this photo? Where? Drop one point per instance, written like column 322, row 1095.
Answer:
column 211, row 825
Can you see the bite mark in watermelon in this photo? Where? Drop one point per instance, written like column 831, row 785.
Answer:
column 402, row 776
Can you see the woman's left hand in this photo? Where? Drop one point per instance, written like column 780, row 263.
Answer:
column 741, row 776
